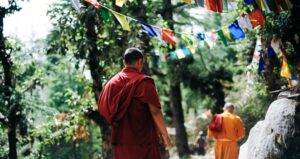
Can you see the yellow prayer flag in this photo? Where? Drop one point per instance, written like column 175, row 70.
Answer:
column 188, row 1
column 285, row 70
column 122, row 20
column 261, row 4
column 226, row 33
column 120, row 3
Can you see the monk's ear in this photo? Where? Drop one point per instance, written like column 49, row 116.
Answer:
column 124, row 62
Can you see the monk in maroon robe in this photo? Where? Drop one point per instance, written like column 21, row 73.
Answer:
column 130, row 103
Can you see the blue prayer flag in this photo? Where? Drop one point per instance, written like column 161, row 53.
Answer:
column 261, row 65
column 148, row 28
column 173, row 55
column 236, row 31
column 271, row 52
column 186, row 52
column 250, row 2
column 200, row 36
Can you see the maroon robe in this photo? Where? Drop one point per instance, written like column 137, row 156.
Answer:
column 124, row 104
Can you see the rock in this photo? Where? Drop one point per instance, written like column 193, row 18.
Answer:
column 271, row 138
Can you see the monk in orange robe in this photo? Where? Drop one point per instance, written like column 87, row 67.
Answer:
column 233, row 130
column 130, row 103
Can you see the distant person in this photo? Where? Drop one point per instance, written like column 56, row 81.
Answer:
column 226, row 146
column 130, row 103
column 200, row 143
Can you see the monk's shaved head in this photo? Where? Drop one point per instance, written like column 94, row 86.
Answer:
column 132, row 55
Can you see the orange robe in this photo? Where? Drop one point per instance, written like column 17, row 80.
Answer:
column 226, row 146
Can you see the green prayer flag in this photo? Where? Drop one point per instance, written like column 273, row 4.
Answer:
column 104, row 13
column 222, row 37
column 225, row 5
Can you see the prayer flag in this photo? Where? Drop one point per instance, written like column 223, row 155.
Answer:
column 76, row 5
column 168, row 36
column 244, row 22
column 285, row 70
column 148, row 28
column 250, row 2
column 226, row 33
column 158, row 32
column 261, row 5
column 225, row 5
column 222, row 37
column 104, row 14
column 95, row 3
column 200, row 3
column 180, row 53
column 211, row 38
column 261, row 65
column 187, row 39
column 271, row 52
column 188, row 1
column 256, row 18
column 276, row 43
column 120, row 3
column 214, row 5
column 200, row 36
column 173, row 55
column 122, row 20
column 236, row 31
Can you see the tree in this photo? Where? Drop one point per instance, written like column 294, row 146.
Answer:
column 8, row 85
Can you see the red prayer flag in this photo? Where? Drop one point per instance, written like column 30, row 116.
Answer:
column 169, row 36
column 214, row 5
column 256, row 18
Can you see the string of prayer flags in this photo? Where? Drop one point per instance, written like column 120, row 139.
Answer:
column 236, row 31
column 148, row 28
column 120, row 3
column 188, row 1
column 244, row 22
column 104, row 14
column 180, row 53
column 256, row 18
column 95, row 3
column 169, row 36
column 214, row 5
column 285, row 70
column 122, row 20
column 76, row 5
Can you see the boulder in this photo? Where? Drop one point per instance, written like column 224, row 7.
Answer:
column 272, row 137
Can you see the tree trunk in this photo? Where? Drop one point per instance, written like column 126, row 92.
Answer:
column 181, row 135
column 8, row 77
column 96, row 73
column 175, row 92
